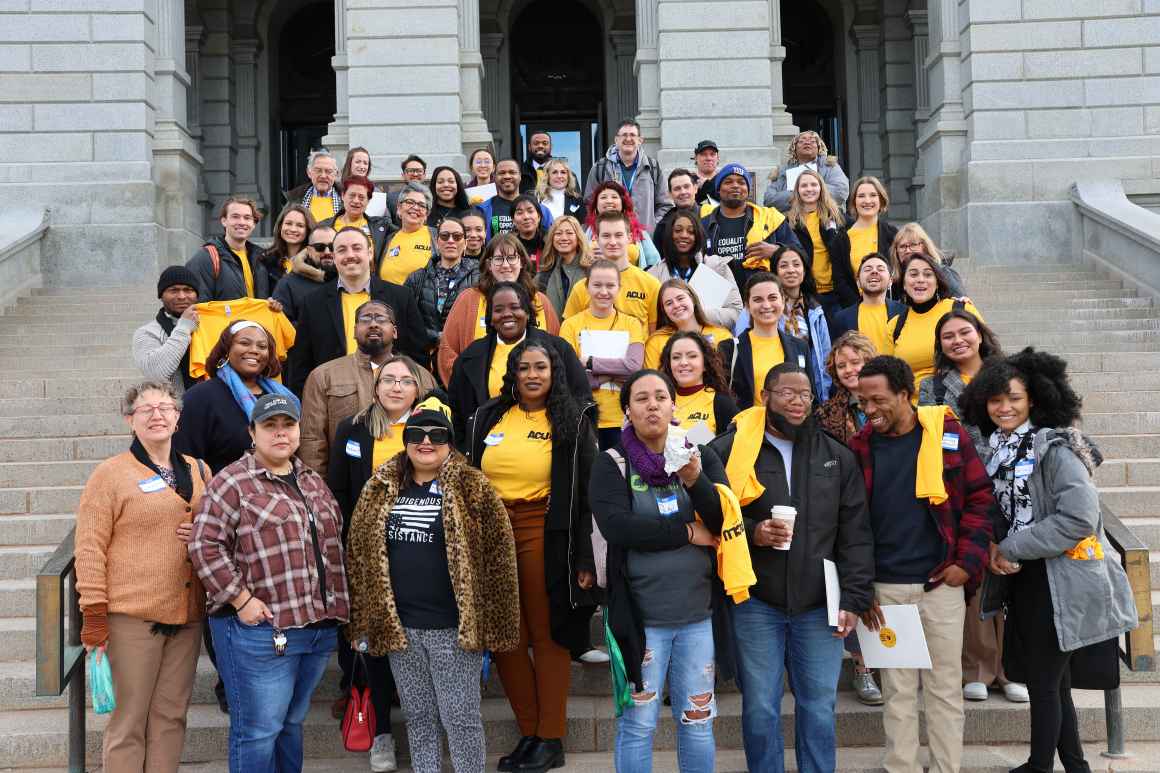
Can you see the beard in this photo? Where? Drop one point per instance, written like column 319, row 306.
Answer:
column 786, row 429
column 329, row 271
column 540, row 156
column 374, row 348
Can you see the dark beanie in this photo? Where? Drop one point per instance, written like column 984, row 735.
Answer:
column 175, row 275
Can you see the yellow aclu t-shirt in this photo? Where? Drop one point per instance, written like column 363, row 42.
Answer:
column 406, row 253
column 916, row 342
column 693, row 409
column 863, row 241
column 872, row 324
column 823, row 271
column 517, row 455
column 655, row 344
column 498, row 367
column 638, row 296
column 386, row 447
column 350, row 303
column 767, row 352
column 607, row 395
column 216, row 316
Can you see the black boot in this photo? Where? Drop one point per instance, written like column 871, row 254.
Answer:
column 545, row 754
column 518, row 754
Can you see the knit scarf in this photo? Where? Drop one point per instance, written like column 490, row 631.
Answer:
column 168, row 324
column 335, row 199
column 184, row 487
column 242, row 394
column 648, row 464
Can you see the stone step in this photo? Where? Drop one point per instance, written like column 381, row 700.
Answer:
column 17, row 642
column 18, row 562
column 35, row 530
column 41, row 499
column 61, row 426
column 121, row 363
column 48, row 387
column 1005, row 315
column 1069, row 344
column 94, row 448
column 144, row 307
column 1132, row 501
column 1088, row 383
column 1129, row 472
column 1013, row 296
column 68, row 317
column 1089, row 362
column 1127, row 446
column 983, row 284
column 1121, row 423
column 36, row 738
column 1114, row 402
column 1093, row 327
column 18, row 599
column 30, row 348
column 45, row 473
column 91, row 291
column 60, row 406
column 122, row 370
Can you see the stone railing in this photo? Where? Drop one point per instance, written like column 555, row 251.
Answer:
column 1119, row 236
column 21, row 232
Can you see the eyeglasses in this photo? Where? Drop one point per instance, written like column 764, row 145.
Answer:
column 322, row 246
column 505, row 259
column 378, row 319
column 405, row 381
column 447, row 236
column 911, row 246
column 165, row 409
column 440, row 436
column 806, row 396
column 414, row 203
column 413, row 170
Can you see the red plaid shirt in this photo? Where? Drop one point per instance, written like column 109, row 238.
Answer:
column 253, row 533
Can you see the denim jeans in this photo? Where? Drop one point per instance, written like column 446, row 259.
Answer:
column 269, row 694
column 685, row 654
column 766, row 640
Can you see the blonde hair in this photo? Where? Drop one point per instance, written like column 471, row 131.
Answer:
column 583, row 247
column 828, row 209
column 914, row 231
column 676, row 283
column 542, row 187
column 851, row 339
column 879, row 188
column 375, row 417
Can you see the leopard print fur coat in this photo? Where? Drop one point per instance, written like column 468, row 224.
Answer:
column 481, row 559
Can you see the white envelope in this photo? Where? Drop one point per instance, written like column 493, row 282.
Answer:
column 712, row 289
column 612, row 344
column 901, row 642
column 480, row 193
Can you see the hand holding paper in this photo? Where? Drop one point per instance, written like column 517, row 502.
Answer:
column 899, row 643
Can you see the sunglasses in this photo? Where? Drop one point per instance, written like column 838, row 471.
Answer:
column 322, row 247
column 448, row 236
column 440, row 436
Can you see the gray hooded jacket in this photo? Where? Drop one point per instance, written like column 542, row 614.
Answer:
column 650, row 193
column 1092, row 600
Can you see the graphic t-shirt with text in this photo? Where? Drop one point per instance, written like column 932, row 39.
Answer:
column 418, row 558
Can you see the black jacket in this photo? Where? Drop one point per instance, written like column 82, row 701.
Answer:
column 381, row 230
column 230, row 282
column 832, row 522
column 293, row 289
column 213, row 427
column 742, row 376
column 347, row 474
column 847, row 319
column 837, row 243
column 322, row 335
column 724, row 409
column 528, row 176
column 567, row 525
column 421, row 283
column 611, row 500
column 467, row 387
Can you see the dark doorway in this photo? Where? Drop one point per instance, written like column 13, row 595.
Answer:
column 557, row 66
column 809, row 73
column 305, row 89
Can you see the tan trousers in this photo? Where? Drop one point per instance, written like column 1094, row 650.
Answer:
column 153, row 682
column 942, row 611
column 982, row 647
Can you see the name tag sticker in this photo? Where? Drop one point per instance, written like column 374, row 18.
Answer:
column 483, row 322
column 801, row 361
column 950, row 442
column 353, row 450
column 151, row 485
column 1024, row 468
column 668, row 504
column 494, row 439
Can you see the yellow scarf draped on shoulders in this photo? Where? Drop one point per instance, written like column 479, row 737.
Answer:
column 928, row 479
column 743, row 481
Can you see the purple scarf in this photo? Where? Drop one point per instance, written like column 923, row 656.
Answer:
column 649, row 465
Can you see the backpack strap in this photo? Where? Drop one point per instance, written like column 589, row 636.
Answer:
column 620, row 461
column 901, row 321
column 215, row 259
column 958, row 305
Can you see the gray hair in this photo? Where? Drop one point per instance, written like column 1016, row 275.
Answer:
column 414, row 187
column 317, row 154
column 134, row 393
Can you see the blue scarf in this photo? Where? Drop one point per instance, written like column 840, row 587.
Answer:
column 242, row 395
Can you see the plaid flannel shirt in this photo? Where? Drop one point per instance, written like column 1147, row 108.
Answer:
column 253, row 533
column 964, row 519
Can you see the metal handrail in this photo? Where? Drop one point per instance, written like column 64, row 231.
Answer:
column 60, row 658
column 1139, row 651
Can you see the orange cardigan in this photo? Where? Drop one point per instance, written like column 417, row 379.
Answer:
column 462, row 327
column 128, row 556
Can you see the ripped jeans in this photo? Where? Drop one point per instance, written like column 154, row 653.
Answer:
column 685, row 655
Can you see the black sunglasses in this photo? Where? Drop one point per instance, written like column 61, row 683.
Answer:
column 440, row 436
column 323, row 247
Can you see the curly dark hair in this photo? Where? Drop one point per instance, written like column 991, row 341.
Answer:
column 988, row 341
column 521, row 293
column 563, row 410
column 899, row 376
column 714, row 376
column 1053, row 402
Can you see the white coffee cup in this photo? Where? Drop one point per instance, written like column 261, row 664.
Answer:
column 786, row 515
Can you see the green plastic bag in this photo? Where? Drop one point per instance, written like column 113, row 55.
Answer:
column 101, row 679
column 621, row 689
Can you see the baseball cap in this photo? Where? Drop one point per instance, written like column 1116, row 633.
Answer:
column 273, row 405
column 704, row 145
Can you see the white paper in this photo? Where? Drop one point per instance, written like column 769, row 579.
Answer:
column 712, row 289
column 480, row 193
column 793, row 173
column 833, row 590
column 677, row 451
column 699, row 434
column 900, row 643
column 377, row 206
column 612, row 344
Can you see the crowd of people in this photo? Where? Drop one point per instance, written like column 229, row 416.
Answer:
column 436, row 435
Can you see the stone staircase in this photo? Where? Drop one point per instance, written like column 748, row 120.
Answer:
column 64, row 362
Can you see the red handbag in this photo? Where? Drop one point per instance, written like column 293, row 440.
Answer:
column 358, row 723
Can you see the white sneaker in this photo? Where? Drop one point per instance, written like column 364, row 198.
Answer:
column 1016, row 693
column 594, row 657
column 975, row 691
column 383, row 754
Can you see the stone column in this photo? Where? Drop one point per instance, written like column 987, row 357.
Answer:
column 337, row 138
column 867, row 39
column 784, row 129
column 624, row 98
column 897, row 117
column 472, row 124
column 244, row 52
column 917, row 21
column 647, row 71
column 194, row 38
column 490, row 44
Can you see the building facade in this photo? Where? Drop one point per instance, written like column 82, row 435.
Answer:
column 130, row 120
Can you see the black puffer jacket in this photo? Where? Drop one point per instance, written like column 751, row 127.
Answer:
column 423, row 284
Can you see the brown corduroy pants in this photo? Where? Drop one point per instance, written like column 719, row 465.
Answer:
column 536, row 683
